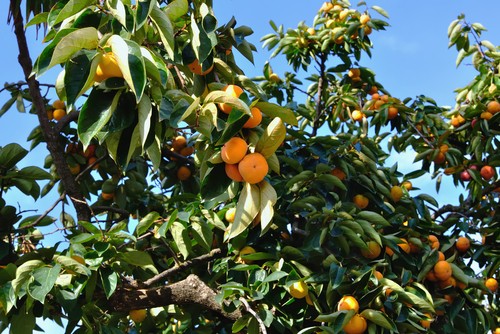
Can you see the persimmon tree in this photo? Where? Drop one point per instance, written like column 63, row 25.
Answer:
column 205, row 201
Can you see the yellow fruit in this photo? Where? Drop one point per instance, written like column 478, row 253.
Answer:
column 273, row 77
column 234, row 150
column 378, row 275
column 253, row 168
column 486, row 115
column 255, row 119
column 107, row 68
column 178, row 143
column 361, row 201
column 364, row 19
column 493, row 107
column 357, row 115
column 299, row 290
column 348, row 303
column 491, row 284
column 229, row 215
column 244, row 251
column 58, row 114
column 138, row 316
column 373, row 250
column 407, row 185
column 357, row 325
column 354, row 73
column 396, row 193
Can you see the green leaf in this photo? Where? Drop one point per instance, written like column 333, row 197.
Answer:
column 274, row 110
column 34, row 173
column 246, row 210
column 47, row 220
column 24, row 273
column 95, row 113
column 373, row 218
column 181, row 238
column 275, row 276
column 23, row 321
column 71, row 264
column 137, row 258
column 11, row 154
column 215, row 182
column 144, row 8
column 146, row 223
column 379, row 318
column 43, row 280
column 272, row 138
column 70, row 8
column 8, row 105
column 77, row 78
column 165, row 29
column 145, row 117
column 129, row 58
column 380, row 11
column 109, row 280
column 84, row 38
column 176, row 9
column 202, row 234
column 268, row 198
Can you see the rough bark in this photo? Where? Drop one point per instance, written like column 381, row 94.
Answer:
column 54, row 145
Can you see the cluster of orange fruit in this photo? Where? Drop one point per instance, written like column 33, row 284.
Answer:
column 89, row 154
column 492, row 108
column 243, row 166
column 357, row 324
column 57, row 111
column 236, row 91
column 338, row 16
column 180, row 146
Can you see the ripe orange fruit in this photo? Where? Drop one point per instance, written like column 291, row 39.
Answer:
column 405, row 246
column 457, row 120
column 444, row 148
column 392, row 112
column 442, row 270
column 92, row 160
column 396, row 193
column 407, row 185
column 486, row 115
column 493, row 107
column 299, row 289
column 197, row 68
column 348, row 303
column 491, row 284
column 364, row 19
column 357, row 115
column 357, row 325
column 462, row 244
column 233, row 173
column 255, row 119
column 448, row 282
column 354, row 73
column 107, row 196
column 75, row 169
column 361, row 201
column 487, row 172
column 138, row 315
column 378, row 275
column 273, row 77
column 427, row 322
column 326, row 7
column 107, row 68
column 234, row 150
column 431, row 276
column 373, row 250
column 497, row 330
column 178, row 143
column 229, row 215
column 434, row 241
column 187, row 151
column 245, row 251
column 183, row 173
column 440, row 158
column 234, row 91
column 441, row 256
column 253, row 168
column 58, row 114
column 58, row 104
column 338, row 173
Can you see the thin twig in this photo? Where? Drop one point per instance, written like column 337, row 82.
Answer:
column 262, row 326
column 215, row 253
column 52, row 207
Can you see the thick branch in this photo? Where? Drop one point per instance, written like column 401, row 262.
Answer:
column 190, row 291
column 51, row 137
column 319, row 99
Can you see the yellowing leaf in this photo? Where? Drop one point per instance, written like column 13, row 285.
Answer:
column 246, row 210
column 85, row 38
column 274, row 110
column 268, row 198
column 272, row 138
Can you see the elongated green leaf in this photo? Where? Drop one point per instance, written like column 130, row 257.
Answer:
column 144, row 8
column 71, row 264
column 129, row 57
column 181, row 238
column 373, row 218
column 176, row 9
column 84, row 38
column 268, row 198
column 165, row 28
column 137, row 258
column 24, row 273
column 272, row 138
column 95, row 113
column 34, row 173
column 43, row 280
column 246, row 210
column 379, row 318
column 109, row 281
column 145, row 115
column 77, row 78
column 146, row 223
column 274, row 110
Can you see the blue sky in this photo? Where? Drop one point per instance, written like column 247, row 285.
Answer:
column 410, row 58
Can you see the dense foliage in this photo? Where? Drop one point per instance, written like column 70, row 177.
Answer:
column 209, row 202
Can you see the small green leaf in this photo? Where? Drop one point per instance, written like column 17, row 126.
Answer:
column 43, row 280
column 11, row 154
column 272, row 138
column 146, row 223
column 109, row 281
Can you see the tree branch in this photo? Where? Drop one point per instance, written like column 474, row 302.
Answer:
column 319, row 99
column 51, row 137
column 190, row 291
column 215, row 253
